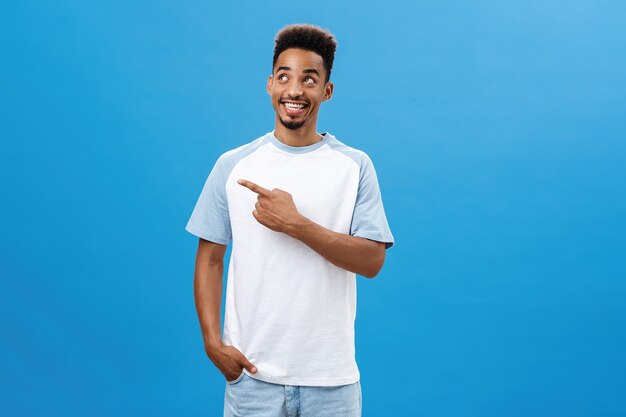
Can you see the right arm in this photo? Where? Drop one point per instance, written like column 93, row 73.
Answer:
column 207, row 285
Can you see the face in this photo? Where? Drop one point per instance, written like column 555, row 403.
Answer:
column 297, row 87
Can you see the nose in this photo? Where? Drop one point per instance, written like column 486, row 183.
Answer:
column 295, row 89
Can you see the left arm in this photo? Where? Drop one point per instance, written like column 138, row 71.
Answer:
column 276, row 210
column 355, row 254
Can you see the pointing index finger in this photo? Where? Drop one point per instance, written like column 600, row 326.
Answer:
column 254, row 187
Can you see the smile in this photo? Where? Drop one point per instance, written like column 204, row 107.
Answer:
column 293, row 108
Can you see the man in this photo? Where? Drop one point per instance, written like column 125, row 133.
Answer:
column 305, row 215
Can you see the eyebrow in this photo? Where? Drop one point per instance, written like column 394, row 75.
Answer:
column 306, row 71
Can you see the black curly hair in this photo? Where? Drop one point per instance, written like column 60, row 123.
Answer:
column 310, row 38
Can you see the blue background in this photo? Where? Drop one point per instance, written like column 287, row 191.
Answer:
column 497, row 129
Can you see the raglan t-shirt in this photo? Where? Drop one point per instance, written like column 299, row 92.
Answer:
column 289, row 310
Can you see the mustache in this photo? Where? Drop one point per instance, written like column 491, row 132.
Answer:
column 302, row 99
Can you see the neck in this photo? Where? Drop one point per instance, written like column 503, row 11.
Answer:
column 303, row 136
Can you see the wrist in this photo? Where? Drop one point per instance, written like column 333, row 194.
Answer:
column 212, row 343
column 295, row 228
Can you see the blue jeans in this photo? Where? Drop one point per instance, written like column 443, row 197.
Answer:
column 249, row 397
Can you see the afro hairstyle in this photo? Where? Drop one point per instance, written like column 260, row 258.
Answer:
column 310, row 38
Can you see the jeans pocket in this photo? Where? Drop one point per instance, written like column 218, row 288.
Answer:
column 234, row 381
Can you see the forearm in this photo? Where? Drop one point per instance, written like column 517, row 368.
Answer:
column 208, row 299
column 356, row 254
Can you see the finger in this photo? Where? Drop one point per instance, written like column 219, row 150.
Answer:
column 254, row 187
column 247, row 364
column 233, row 375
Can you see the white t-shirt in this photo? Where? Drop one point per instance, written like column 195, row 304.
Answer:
column 289, row 310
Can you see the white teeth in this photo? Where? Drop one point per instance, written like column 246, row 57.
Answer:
column 293, row 106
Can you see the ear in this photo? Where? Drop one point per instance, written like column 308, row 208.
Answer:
column 269, row 85
column 328, row 91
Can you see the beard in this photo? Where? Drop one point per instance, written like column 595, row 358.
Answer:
column 291, row 125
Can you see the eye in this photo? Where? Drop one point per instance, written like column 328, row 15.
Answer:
column 309, row 80
column 282, row 77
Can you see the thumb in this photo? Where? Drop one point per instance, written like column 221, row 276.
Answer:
column 248, row 365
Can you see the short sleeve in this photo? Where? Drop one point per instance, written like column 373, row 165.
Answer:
column 210, row 219
column 369, row 219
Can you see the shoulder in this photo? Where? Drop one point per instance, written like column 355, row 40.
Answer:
column 227, row 160
column 361, row 158
column 243, row 150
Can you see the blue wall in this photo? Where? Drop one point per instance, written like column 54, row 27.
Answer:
column 498, row 133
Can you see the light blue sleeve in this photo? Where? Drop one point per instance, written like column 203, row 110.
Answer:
column 369, row 220
column 210, row 219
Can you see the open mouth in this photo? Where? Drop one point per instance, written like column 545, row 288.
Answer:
column 293, row 108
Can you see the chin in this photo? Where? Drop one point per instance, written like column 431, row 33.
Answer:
column 291, row 125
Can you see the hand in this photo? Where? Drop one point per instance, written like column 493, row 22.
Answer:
column 230, row 361
column 275, row 209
